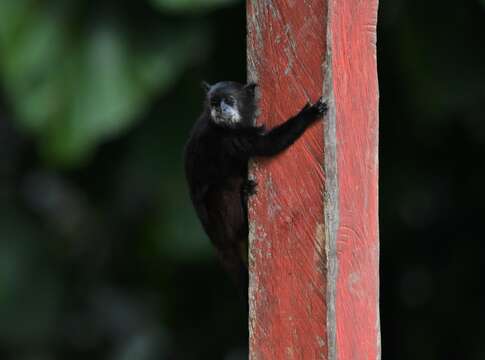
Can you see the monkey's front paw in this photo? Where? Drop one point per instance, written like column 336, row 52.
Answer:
column 318, row 109
column 321, row 107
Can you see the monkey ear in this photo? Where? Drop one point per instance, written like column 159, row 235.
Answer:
column 250, row 87
column 206, row 86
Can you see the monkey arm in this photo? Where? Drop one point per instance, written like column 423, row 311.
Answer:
column 280, row 137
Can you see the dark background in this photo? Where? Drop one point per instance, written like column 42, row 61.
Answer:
column 101, row 256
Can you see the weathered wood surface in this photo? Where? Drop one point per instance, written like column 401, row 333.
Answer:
column 313, row 223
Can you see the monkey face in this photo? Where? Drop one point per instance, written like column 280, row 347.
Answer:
column 230, row 103
column 224, row 110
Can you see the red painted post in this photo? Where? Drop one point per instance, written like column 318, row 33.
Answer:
column 314, row 222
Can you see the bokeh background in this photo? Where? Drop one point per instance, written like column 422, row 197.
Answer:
column 101, row 256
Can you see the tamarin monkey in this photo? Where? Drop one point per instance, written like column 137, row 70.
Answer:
column 221, row 142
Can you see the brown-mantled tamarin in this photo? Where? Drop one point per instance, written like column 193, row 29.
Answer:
column 222, row 141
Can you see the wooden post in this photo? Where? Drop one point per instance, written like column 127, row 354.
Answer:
column 314, row 222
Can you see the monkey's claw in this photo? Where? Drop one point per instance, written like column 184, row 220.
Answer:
column 316, row 110
column 321, row 106
column 250, row 187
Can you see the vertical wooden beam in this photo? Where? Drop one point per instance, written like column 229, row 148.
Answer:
column 314, row 222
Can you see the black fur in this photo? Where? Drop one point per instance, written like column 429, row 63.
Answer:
column 216, row 166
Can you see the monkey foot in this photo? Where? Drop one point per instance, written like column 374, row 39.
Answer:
column 250, row 187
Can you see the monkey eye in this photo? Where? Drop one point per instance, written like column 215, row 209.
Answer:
column 230, row 100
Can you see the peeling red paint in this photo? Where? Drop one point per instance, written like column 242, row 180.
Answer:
column 287, row 283
column 313, row 224
column 353, row 32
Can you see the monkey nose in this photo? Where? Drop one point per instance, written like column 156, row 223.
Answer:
column 224, row 106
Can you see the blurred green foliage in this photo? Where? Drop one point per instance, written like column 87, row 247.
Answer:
column 101, row 256
column 76, row 74
column 190, row 5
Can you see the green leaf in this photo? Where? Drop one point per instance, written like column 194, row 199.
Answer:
column 75, row 82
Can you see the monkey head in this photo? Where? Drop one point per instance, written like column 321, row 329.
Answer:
column 230, row 104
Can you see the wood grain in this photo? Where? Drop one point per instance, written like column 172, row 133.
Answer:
column 313, row 224
column 353, row 46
